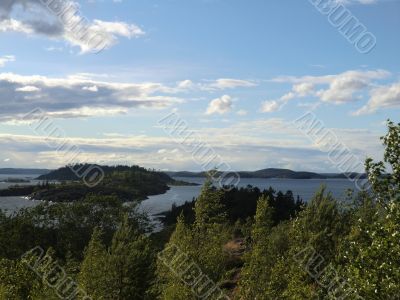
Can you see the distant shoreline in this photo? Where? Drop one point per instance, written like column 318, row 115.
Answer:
column 273, row 173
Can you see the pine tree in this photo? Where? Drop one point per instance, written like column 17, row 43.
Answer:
column 93, row 273
column 316, row 236
column 209, row 233
column 124, row 271
column 255, row 273
column 169, row 284
column 209, row 209
column 130, row 263
column 201, row 243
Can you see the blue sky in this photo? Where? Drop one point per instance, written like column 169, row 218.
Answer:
column 238, row 72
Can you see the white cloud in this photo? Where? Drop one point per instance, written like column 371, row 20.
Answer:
column 346, row 87
column 229, row 83
column 93, row 88
column 244, row 145
column 185, row 84
column 214, row 85
column 382, row 97
column 220, row 105
column 27, row 89
column 303, row 89
column 77, row 96
column 5, row 59
column 327, row 79
column 64, row 22
column 86, row 95
column 270, row 106
column 117, row 28
column 15, row 26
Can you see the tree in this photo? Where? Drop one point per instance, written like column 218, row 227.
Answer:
column 124, row 271
column 200, row 243
column 255, row 274
column 93, row 276
column 316, row 236
column 370, row 254
column 386, row 186
column 169, row 284
column 209, row 209
column 17, row 281
column 130, row 263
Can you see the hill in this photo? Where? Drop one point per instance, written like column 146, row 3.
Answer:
column 128, row 183
column 268, row 173
column 281, row 173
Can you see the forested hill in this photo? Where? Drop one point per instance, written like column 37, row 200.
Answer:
column 128, row 183
column 272, row 173
column 75, row 173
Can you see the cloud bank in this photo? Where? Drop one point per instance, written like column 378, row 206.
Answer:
column 76, row 96
column 245, row 145
column 347, row 87
column 62, row 20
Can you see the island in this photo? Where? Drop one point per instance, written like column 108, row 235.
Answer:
column 128, row 183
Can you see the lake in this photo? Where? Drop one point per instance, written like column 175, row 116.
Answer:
column 11, row 204
column 4, row 185
column 305, row 188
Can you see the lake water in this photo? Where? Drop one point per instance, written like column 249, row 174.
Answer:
column 4, row 185
column 305, row 188
column 11, row 204
column 179, row 194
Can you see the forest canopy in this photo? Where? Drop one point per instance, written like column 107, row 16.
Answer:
column 220, row 246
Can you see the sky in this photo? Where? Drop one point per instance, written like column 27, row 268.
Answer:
column 103, row 73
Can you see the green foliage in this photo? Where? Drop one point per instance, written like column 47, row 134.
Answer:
column 241, row 204
column 258, row 262
column 263, row 220
column 168, row 285
column 28, row 278
column 130, row 262
column 271, row 270
column 272, row 248
column 65, row 227
column 370, row 254
column 202, row 243
column 127, row 183
column 93, row 273
column 17, row 281
column 386, row 187
column 124, row 271
column 320, row 225
column 208, row 207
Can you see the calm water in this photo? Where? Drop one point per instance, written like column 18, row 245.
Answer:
column 4, row 185
column 11, row 204
column 179, row 194
column 304, row 188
